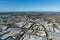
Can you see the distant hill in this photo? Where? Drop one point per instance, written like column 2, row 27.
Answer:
column 37, row 13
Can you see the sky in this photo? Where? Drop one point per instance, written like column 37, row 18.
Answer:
column 29, row 5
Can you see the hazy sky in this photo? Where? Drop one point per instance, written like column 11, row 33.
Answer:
column 29, row 5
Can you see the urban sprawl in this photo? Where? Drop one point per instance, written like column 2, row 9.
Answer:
column 29, row 26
